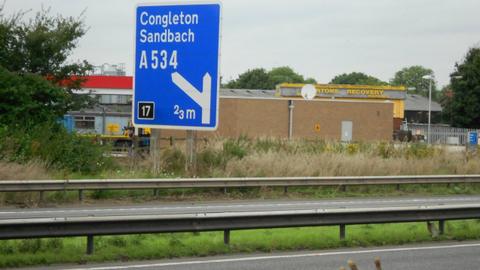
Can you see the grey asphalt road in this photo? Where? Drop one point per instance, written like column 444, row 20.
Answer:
column 436, row 256
column 233, row 207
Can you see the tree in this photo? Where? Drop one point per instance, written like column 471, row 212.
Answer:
column 356, row 78
column 29, row 99
column 444, row 98
column 462, row 109
column 251, row 79
column 41, row 46
column 284, row 74
column 310, row 81
column 36, row 84
column 259, row 78
column 411, row 77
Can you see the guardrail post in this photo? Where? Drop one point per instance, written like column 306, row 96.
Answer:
column 342, row 231
column 398, row 187
column 441, row 227
column 225, row 190
column 432, row 229
column 285, row 190
column 90, row 244
column 343, row 188
column 40, row 200
column 80, row 195
column 226, row 236
column 155, row 192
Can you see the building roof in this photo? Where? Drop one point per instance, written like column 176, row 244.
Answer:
column 246, row 93
column 412, row 102
column 420, row 103
column 108, row 82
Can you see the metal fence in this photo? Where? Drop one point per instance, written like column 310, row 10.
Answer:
column 441, row 134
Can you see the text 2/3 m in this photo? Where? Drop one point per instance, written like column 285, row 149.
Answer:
column 184, row 113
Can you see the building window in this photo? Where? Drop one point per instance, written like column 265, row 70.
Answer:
column 114, row 99
column 85, row 122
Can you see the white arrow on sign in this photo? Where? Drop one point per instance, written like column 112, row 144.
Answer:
column 201, row 98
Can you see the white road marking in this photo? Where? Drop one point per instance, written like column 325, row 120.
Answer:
column 203, row 207
column 275, row 257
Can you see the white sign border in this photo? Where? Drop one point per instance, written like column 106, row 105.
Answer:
column 182, row 3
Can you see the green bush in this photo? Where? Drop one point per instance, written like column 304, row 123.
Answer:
column 236, row 148
column 314, row 147
column 117, row 241
column 54, row 243
column 269, row 144
column 385, row 150
column 30, row 245
column 174, row 161
column 352, row 148
column 209, row 159
column 52, row 144
column 7, row 247
column 102, row 194
column 419, row 150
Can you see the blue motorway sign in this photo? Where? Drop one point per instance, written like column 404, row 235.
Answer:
column 176, row 78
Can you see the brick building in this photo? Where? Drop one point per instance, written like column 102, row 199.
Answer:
column 339, row 112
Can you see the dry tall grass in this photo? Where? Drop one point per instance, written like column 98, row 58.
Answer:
column 275, row 157
column 28, row 171
column 337, row 164
column 15, row 171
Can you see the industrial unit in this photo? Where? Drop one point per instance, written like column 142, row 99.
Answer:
column 339, row 112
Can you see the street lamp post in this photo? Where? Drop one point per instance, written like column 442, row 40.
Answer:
column 429, row 77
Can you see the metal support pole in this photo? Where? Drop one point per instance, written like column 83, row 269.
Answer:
column 398, row 187
column 342, row 231
column 441, row 227
column 290, row 118
column 226, row 237
column 104, row 120
column 191, row 152
column 343, row 188
column 155, row 150
column 155, row 192
column 285, row 190
column 429, row 110
column 80, row 195
column 90, row 245
column 225, row 191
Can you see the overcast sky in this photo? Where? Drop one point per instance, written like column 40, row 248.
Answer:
column 319, row 39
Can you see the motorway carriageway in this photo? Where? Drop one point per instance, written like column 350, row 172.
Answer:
column 162, row 208
column 433, row 256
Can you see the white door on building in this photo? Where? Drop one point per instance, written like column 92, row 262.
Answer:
column 347, row 127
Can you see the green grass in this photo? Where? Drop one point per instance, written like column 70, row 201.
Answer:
column 16, row 253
